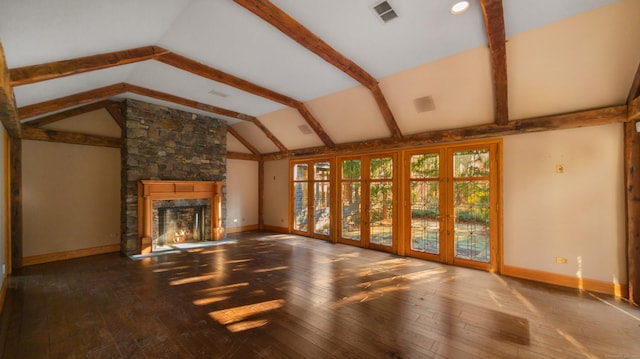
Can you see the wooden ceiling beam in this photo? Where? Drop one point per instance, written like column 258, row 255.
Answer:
column 602, row 116
column 635, row 87
column 71, row 100
column 242, row 156
column 494, row 25
column 116, row 112
column 389, row 119
column 315, row 125
column 196, row 68
column 41, row 121
column 242, row 140
column 114, row 107
column 634, row 109
column 39, row 134
column 273, row 15
column 8, row 112
column 209, row 108
column 270, row 135
column 52, row 70
column 186, row 102
column 48, row 71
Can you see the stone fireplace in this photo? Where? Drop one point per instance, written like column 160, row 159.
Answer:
column 178, row 154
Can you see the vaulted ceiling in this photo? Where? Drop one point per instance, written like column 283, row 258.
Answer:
column 292, row 75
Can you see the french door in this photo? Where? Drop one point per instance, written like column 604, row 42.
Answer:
column 367, row 201
column 311, row 189
column 452, row 211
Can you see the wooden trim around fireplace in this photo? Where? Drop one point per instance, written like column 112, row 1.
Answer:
column 151, row 190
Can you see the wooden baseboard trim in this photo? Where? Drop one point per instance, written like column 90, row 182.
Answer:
column 77, row 253
column 593, row 285
column 251, row 227
column 276, row 229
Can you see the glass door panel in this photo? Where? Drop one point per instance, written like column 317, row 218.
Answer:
column 300, row 197
column 472, row 205
column 321, row 208
column 321, row 198
column 300, row 207
column 471, row 213
column 425, row 203
column 425, row 217
column 351, row 210
column 351, row 200
column 381, row 213
column 381, row 201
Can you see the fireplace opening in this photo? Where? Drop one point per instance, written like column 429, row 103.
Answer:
column 178, row 222
column 181, row 224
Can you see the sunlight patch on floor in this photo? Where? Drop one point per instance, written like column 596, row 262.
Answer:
column 234, row 318
column 425, row 273
column 195, row 279
column 210, row 300
column 265, row 270
column 615, row 307
column 162, row 270
column 532, row 308
column 367, row 295
column 576, row 344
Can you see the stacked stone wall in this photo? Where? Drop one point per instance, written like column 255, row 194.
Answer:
column 160, row 143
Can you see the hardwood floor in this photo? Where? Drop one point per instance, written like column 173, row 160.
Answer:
column 286, row 296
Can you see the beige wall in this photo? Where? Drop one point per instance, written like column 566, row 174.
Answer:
column 578, row 214
column 71, row 197
column 276, row 193
column 242, row 193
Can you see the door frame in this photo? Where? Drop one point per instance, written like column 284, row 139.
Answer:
column 311, row 197
column 365, row 181
column 447, row 221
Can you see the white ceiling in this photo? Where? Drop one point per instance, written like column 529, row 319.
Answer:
column 418, row 54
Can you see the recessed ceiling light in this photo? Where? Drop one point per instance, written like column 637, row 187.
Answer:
column 460, row 7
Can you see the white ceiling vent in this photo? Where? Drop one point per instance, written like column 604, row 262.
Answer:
column 305, row 129
column 424, row 104
column 384, row 11
column 215, row 92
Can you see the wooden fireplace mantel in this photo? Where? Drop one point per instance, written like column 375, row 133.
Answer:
column 152, row 190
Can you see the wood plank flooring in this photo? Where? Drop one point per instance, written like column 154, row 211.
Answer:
column 284, row 296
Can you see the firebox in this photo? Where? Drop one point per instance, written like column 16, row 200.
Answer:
column 180, row 221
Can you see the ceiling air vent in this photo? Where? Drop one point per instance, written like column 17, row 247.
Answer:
column 384, row 11
column 305, row 129
column 215, row 92
column 424, row 104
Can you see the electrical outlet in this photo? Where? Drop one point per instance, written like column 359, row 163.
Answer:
column 562, row 260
